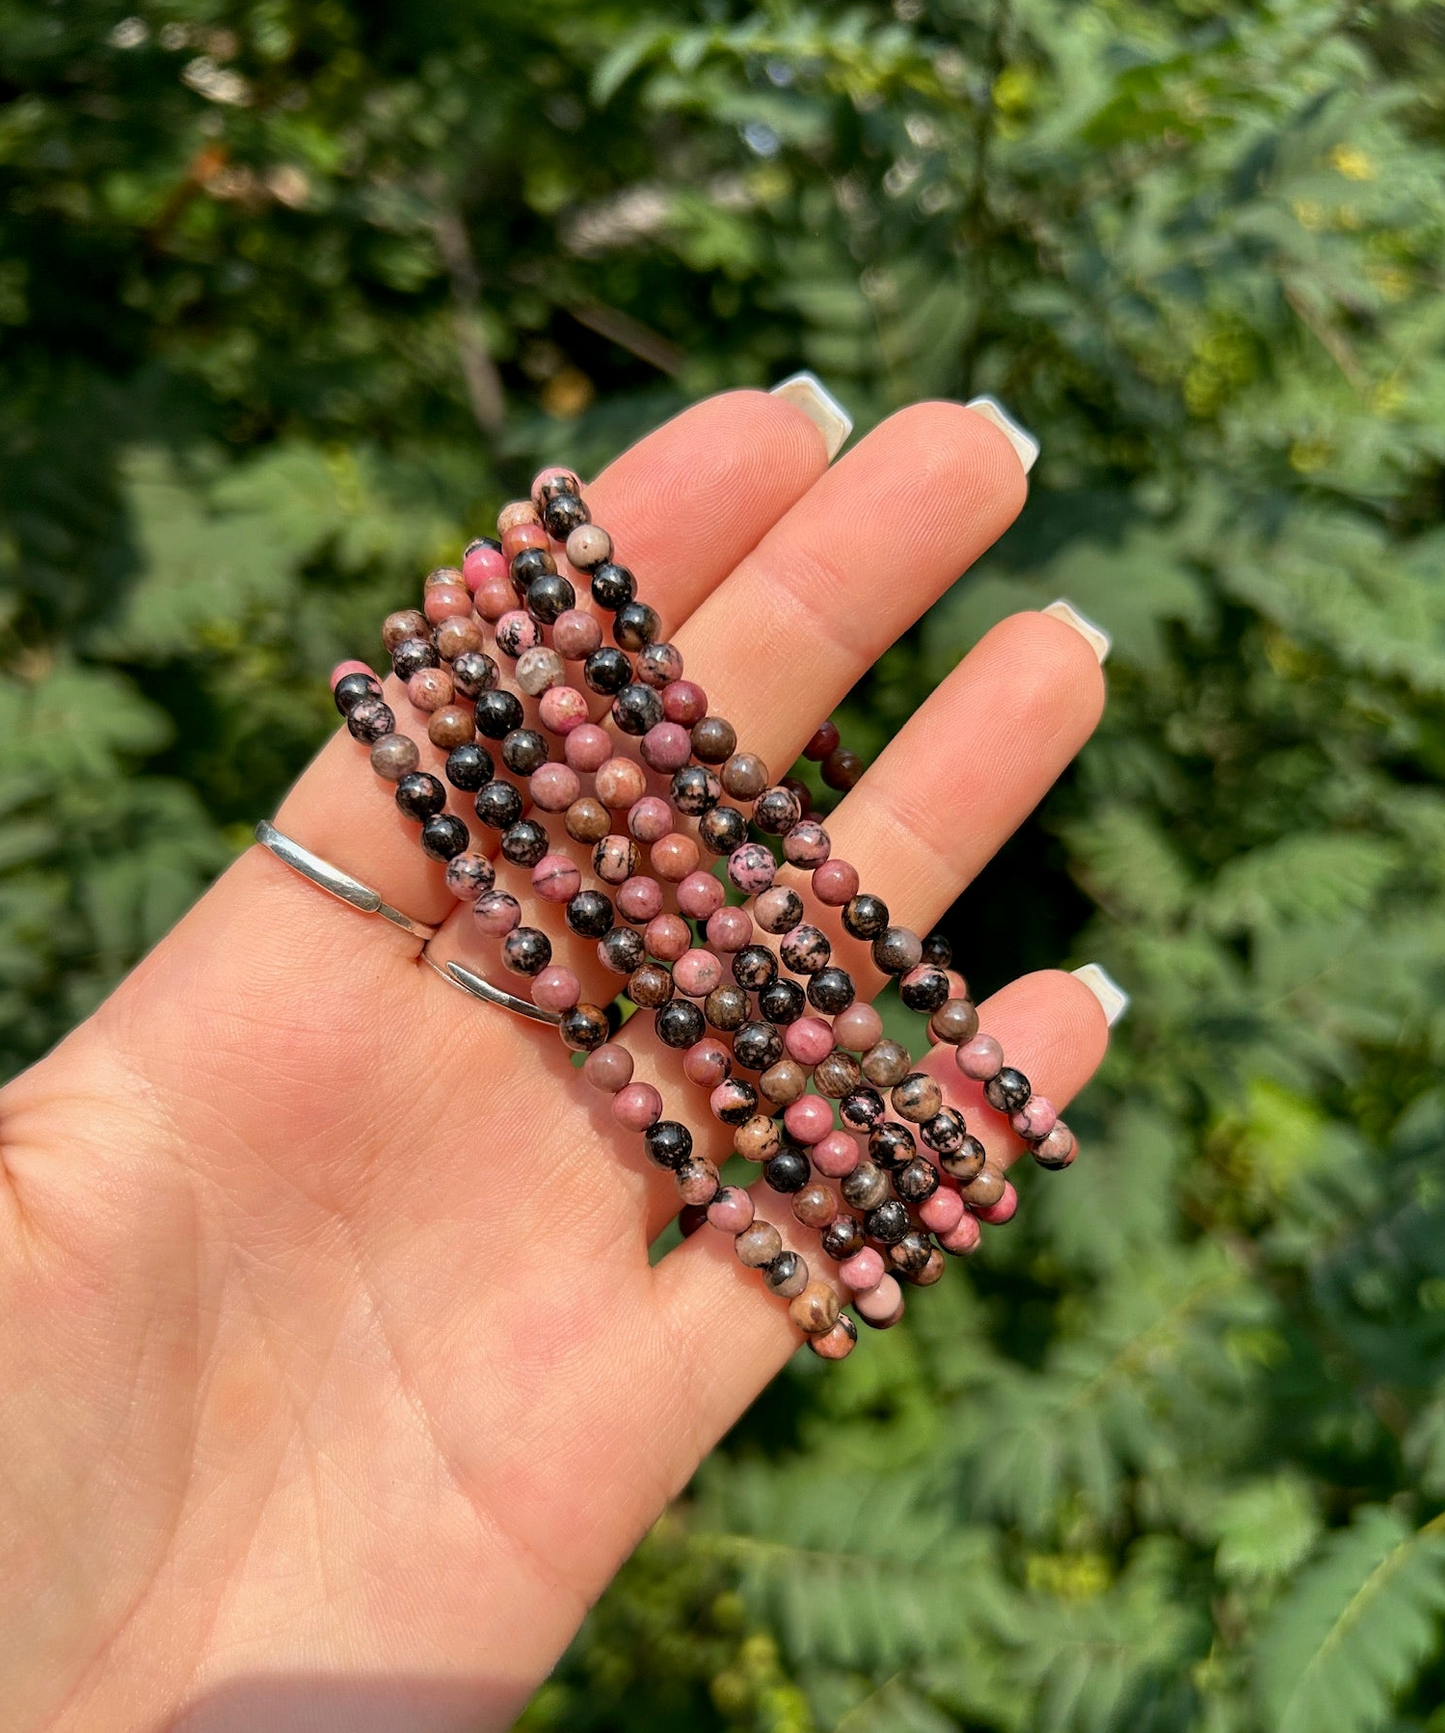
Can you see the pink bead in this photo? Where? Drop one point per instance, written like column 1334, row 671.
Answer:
column 430, row 688
column 620, row 783
column 941, row 1213
column 965, row 1237
column 517, row 631
column 837, row 1343
column 556, row 878
column 576, row 635
column 700, row 895
column 707, row 1063
column 836, row 1155
column 587, row 747
column 608, row 1068
column 519, row 534
column 729, row 929
column 674, row 857
column 684, row 701
column 637, row 1106
column 495, row 597
column 731, row 1210
column 446, row 602
column 1035, row 1119
column 481, row 565
column 556, row 989
column 863, row 1271
column 1002, row 1211
column 640, row 898
column 807, row 845
column 752, row 868
column 980, row 1058
column 809, row 1119
column 697, row 1182
column 497, row 913
column 881, row 1301
column 649, row 819
column 554, row 787
column 696, row 973
column 562, row 709
column 667, row 747
column 1058, row 1149
column 667, row 937
column 809, row 1040
column 834, row 882
column 858, row 1028
column 342, row 669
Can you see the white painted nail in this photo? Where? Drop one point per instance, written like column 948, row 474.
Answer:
column 1013, row 431
column 1094, row 636
column 808, row 393
column 1105, row 989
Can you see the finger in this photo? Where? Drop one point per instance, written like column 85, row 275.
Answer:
column 1053, row 1027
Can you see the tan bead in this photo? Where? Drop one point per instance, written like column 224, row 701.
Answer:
column 458, row 635
column 588, row 546
column 538, row 669
column 520, row 511
column 917, row 1098
column 837, row 1075
column 757, row 1139
column 955, row 1021
column 886, row 1063
column 783, row 1083
column 445, row 577
column 744, row 776
column 931, row 1272
column 405, row 623
column 429, row 689
column 451, row 726
column 586, row 820
column 986, row 1188
column 816, row 1309
column 759, row 1245
column 815, row 1205
column 650, row 985
column 620, row 783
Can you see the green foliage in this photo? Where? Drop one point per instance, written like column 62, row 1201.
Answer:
column 292, row 293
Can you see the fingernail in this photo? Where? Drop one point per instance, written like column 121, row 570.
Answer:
column 1105, row 989
column 1013, row 431
column 808, row 393
column 1094, row 636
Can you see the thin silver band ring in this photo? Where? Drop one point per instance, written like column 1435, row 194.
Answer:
column 335, row 882
column 460, row 976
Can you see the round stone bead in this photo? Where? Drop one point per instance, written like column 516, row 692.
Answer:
column 807, row 844
column 370, row 720
column 782, row 1083
column 815, row 1205
column 1035, row 1119
column 861, row 1109
column 615, row 859
column 1002, row 1211
column 1007, row 1090
column 945, row 1132
column 636, row 1106
column 606, row 671
column 679, row 1024
column 684, row 701
column 923, row 988
column 722, row 830
column 942, row 1212
column 754, row 966
column 453, row 725
column 788, row 1171
column 640, row 900
column 809, row 1040
column 562, row 710
column 667, row 937
column 887, row 1222
column 864, row 1270
column 649, row 819
column 866, row 1187
column 405, row 624
column 881, row 1306
column 443, row 837
column 588, row 546
column 696, row 1180
column 843, row 1238
column 526, row 951
column 777, row 810
column 556, row 879
column 714, row 739
column 474, row 672
column 831, row 990
column 469, row 875
column 635, row 624
column 751, row 868
column 517, row 632
column 695, row 790
column 659, row 665
column 808, row 1120
column 668, row 1143
column 733, row 1101
column 546, row 486
column 482, row 560
column 955, row 1021
column 553, row 787
column 842, row 769
column 891, row 1145
column 696, row 973
column 666, row 747
column 835, row 882
column 452, row 601
column 637, row 709
column 786, row 1276
column 556, row 989
column 355, row 683
column 649, row 985
column 517, row 514
column 731, row 1210
column 589, row 914
column 729, row 929
column 896, row 951
column 621, row 950
column 699, row 895
column 778, row 910
column 1058, row 1149
column 587, row 820
column 980, row 1057
column 498, row 805
column 497, row 714
column 613, row 586
column 523, row 751
column 886, row 1063
column 815, row 1311
column 965, row 1162
column 758, row 1245
column 395, row 756
column 609, row 1068
column 576, row 635
column 540, row 669
column 620, row 784
column 917, row 1097
column 963, row 1239
column 420, row 795
column 412, row 655
column 563, row 515
column 858, row 1028
column 837, row 1343
column 824, row 741
column 529, row 558
column 469, row 767
column 910, row 1255
column 744, row 775
column 758, row 1138
column 986, row 1187
column 916, row 1181
column 782, row 1002
column 495, row 596
column 707, row 1063
column 837, row 1074
column 549, row 596
column 756, row 1046
column 674, row 857
column 496, row 913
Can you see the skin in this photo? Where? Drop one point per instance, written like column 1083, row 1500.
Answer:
column 335, row 1383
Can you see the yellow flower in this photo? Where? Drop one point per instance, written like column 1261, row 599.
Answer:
column 1350, row 161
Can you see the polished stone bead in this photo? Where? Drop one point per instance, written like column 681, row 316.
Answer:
column 549, row 483
column 636, row 1106
column 615, row 859
column 635, row 709
column 1058, row 1149
column 788, row 1171
column 444, row 836
column 420, row 795
column 519, row 514
column 722, row 830
column 726, row 1008
column 731, row 1210
column 815, row 1311
column 777, row 810
column 986, row 1187
column 809, row 1041
column 608, row 1068
column 649, row 818
column 412, row 655
column 786, row 1276
column 923, row 988
column 469, row 767
column 529, row 566
column 451, row 726
column 684, row 701
column 744, row 775
column 679, row 1024
column 516, row 633
column 589, row 914
column 576, row 635
column 945, row 1132
column 558, row 989
column 674, row 856
column 835, row 882
column 564, row 514
column 555, row 877
column 607, row 671
column 758, row 1138
column 955, row 1021
column 942, row 1212
column 842, row 769
column 782, row 1002
column 639, row 900
column 823, row 741
column 864, row 1270
column 649, row 985
column 635, row 624
column 498, row 805
column 697, row 1181
column 495, row 596
column 917, row 1097
column 965, row 1162
column 405, row 624
column 778, row 910
column 754, row 966
column 815, row 1205
column 621, row 784
column 886, row 1063
column 891, row 1145
column 858, row 1028
column 909, row 1254
column 714, row 739
column 916, row 1181
column 734, row 1101
column 583, row 1027
column 729, row 929
column 588, row 546
column 659, row 665
column 523, row 751
column 666, row 748
column 808, row 1120
column 929, row 1272
column 1002, row 1211
column 553, row 787
column 526, row 950
column 896, row 951
column 613, row 586
column 751, row 868
column 807, row 844
column 700, row 895
column 496, row 913
column 865, row 916
column 351, row 688
column 667, row 937
column 866, row 1187
column 843, row 1237
column 707, row 1063
column 447, row 602
column 861, row 1109
column 621, row 950
column 587, row 820
column 473, row 673
column 668, row 1143
column 980, row 1058
column 937, row 951
column 1007, row 1090
column 782, row 1083
column 757, row 1046
column 540, row 670
column 458, row 637
column 837, row 1074
column 549, row 597
column 758, row 1245
column 1035, row 1119
column 882, row 1306
column 469, row 875
column 695, row 790
column 831, row 990
column 370, row 720
column 497, row 714
column 395, row 756
column 887, row 1222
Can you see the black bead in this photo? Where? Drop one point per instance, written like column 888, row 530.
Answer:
column 613, row 586
column 891, row 1145
column 635, row 624
column 782, row 1002
column 945, row 1132
column 474, row 672
column 831, row 990
column 916, row 1181
column 722, row 830
column 866, row 1186
column 783, row 1270
column 895, row 951
column 861, row 1109
column 562, row 514
column 524, row 843
column 937, row 952
column 888, row 1223
column 526, row 950
column 667, row 1143
column 499, row 805
column 726, row 1008
column 583, row 1028
column 1007, row 1091
column 412, row 655
column 865, row 916
column 756, row 1046
column 696, row 790
column 497, row 714
column 352, row 688
column 444, row 836
column 606, row 671
column 635, row 709
column 420, row 795
column 927, row 992
column 369, row 719
column 965, row 1162
column 469, row 767
column 910, row 1253
column 524, row 750
column 842, row 1237
column 679, row 1024
column 744, row 1103
column 529, row 565
column 788, row 1171
column 590, row 915
column 754, row 966
column 622, row 950
column 549, row 596
column 777, row 810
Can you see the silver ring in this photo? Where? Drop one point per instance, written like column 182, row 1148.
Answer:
column 462, row 977
column 337, row 883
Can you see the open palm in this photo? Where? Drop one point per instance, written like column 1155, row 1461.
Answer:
column 335, row 1382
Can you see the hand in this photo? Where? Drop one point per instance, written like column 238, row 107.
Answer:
column 334, row 1380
